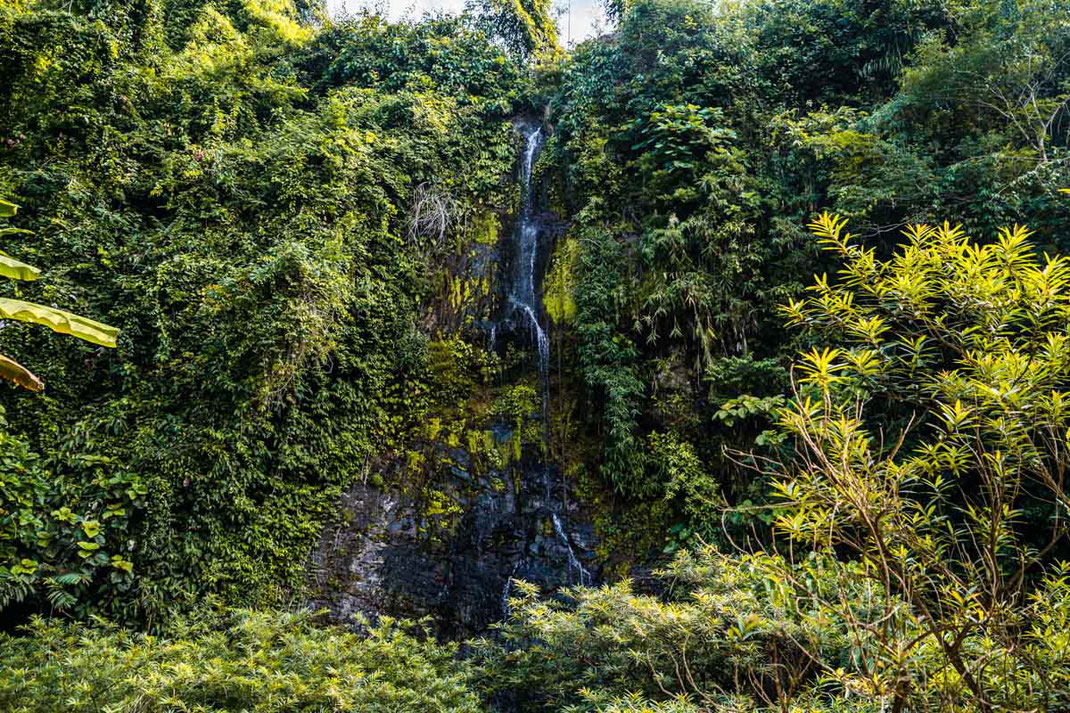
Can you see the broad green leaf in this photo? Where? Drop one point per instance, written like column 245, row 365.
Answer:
column 14, row 231
column 59, row 321
column 16, row 373
column 16, row 270
column 7, row 209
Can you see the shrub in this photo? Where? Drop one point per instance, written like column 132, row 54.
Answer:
column 235, row 660
column 922, row 514
column 730, row 633
column 931, row 432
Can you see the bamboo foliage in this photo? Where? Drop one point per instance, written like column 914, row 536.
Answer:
column 932, row 442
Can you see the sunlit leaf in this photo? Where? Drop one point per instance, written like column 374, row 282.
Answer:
column 16, row 270
column 59, row 321
column 11, row 370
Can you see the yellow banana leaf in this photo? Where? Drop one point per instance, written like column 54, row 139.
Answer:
column 17, row 270
column 16, row 373
column 59, row 321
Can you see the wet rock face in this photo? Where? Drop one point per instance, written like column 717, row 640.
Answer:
column 448, row 547
column 383, row 558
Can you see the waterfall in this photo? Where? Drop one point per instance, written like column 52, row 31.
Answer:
column 574, row 564
column 522, row 306
column 522, row 296
column 507, row 591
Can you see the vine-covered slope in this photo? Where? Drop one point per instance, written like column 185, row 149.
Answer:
column 437, row 318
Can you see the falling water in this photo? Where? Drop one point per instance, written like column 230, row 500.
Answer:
column 522, row 294
column 574, row 564
column 522, row 300
column 508, row 590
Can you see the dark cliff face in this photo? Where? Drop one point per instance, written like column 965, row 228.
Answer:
column 382, row 558
column 489, row 505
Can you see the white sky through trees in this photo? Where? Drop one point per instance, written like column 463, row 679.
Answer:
column 587, row 15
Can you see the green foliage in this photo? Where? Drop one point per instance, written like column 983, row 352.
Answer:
column 959, row 508
column 525, row 27
column 685, row 477
column 731, row 634
column 520, row 405
column 65, row 527
column 922, row 508
column 445, row 55
column 693, row 143
column 230, row 661
column 296, row 226
column 57, row 320
column 667, row 211
column 559, row 285
column 239, row 205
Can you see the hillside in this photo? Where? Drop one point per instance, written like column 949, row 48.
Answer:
column 718, row 363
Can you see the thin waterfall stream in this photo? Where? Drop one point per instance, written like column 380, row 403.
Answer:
column 523, row 299
column 522, row 295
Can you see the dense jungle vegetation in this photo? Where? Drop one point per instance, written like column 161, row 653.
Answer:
column 809, row 350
